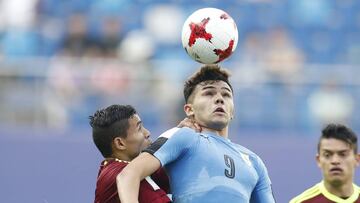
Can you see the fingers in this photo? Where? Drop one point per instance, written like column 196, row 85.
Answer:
column 197, row 127
column 186, row 122
column 190, row 123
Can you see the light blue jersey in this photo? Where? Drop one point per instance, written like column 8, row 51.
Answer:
column 206, row 168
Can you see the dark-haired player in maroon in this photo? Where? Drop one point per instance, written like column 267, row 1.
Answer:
column 119, row 135
column 338, row 159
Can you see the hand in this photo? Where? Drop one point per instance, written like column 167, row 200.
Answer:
column 190, row 123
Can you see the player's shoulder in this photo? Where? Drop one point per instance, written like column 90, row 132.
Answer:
column 184, row 131
column 113, row 166
column 307, row 194
column 246, row 151
column 114, row 163
column 249, row 155
column 357, row 188
column 174, row 138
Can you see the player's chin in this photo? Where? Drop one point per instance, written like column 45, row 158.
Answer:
column 221, row 120
column 335, row 177
column 146, row 143
column 336, row 181
column 219, row 124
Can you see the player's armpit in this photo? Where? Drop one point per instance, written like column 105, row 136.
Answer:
column 128, row 181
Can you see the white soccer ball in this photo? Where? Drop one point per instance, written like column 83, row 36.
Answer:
column 209, row 35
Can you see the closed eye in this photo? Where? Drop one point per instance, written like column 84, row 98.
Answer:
column 209, row 93
column 226, row 94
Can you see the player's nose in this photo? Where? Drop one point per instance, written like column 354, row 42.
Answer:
column 335, row 159
column 219, row 99
column 146, row 133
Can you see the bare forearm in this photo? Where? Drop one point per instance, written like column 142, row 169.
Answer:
column 128, row 187
column 128, row 181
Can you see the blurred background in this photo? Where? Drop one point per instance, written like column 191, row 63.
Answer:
column 295, row 69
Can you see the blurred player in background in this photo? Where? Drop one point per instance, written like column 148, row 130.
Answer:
column 337, row 158
column 120, row 136
column 207, row 166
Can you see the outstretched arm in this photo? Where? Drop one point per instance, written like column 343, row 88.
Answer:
column 128, row 181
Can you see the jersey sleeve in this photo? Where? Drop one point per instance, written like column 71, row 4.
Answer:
column 172, row 144
column 262, row 192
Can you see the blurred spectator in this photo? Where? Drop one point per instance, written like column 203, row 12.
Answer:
column 62, row 92
column 111, row 79
column 329, row 104
column 251, row 60
column 164, row 22
column 252, row 52
column 136, row 47
column 110, row 36
column 77, row 41
column 283, row 59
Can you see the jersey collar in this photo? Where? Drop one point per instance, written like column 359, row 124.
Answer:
column 337, row 199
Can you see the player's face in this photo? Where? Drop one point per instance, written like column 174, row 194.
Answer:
column 138, row 137
column 213, row 104
column 337, row 161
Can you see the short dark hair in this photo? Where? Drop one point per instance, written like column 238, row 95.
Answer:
column 339, row 132
column 211, row 72
column 109, row 123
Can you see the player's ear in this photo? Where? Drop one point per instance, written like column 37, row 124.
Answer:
column 318, row 160
column 119, row 143
column 189, row 110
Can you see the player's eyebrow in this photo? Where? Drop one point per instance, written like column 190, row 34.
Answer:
column 335, row 151
column 225, row 88
column 212, row 87
column 208, row 87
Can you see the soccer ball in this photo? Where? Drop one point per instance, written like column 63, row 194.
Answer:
column 209, row 35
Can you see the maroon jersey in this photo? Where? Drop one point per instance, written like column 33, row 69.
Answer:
column 149, row 192
column 319, row 194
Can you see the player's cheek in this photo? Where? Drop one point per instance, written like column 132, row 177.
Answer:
column 144, row 143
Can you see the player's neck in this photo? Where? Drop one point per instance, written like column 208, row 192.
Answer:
column 223, row 133
column 344, row 190
column 121, row 156
column 115, row 159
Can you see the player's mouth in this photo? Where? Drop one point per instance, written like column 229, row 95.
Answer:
column 219, row 110
column 336, row 170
